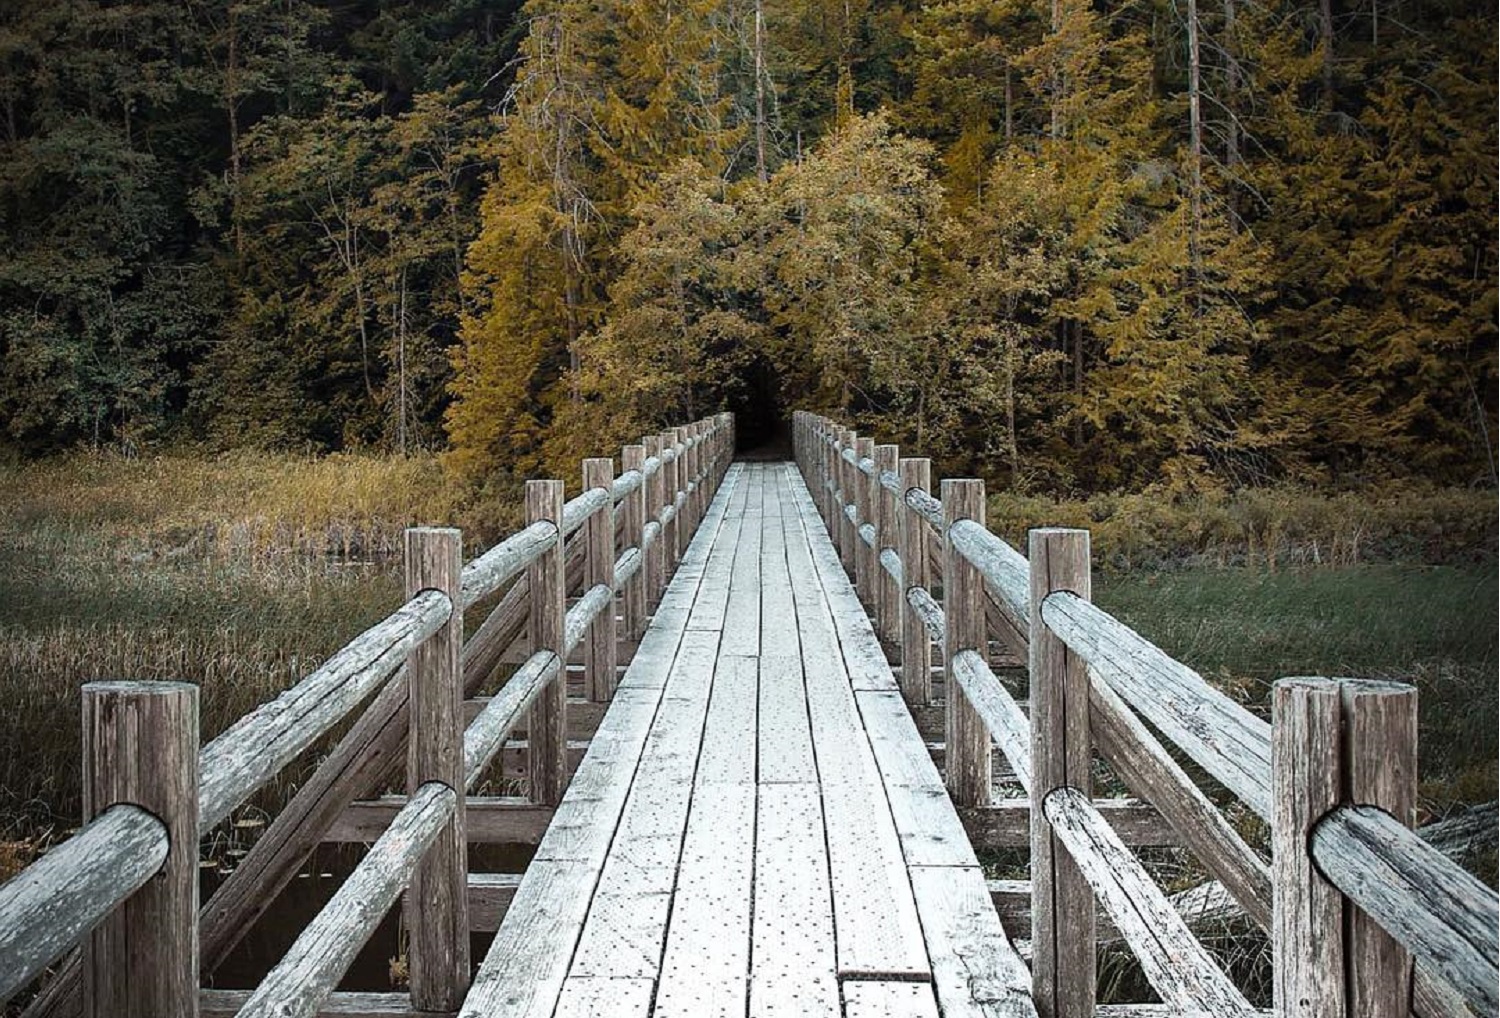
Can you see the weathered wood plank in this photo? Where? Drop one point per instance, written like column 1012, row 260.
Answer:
column 227, row 1004
column 595, row 996
column 48, row 907
column 792, row 970
column 975, row 970
column 705, row 967
column 490, row 820
column 865, row 999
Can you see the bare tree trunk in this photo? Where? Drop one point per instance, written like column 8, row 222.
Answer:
column 401, row 366
column 1077, row 329
column 1232, row 86
column 1057, row 78
column 1195, row 145
column 1325, row 18
column 1010, row 97
column 760, row 98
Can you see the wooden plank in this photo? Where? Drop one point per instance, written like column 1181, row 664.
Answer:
column 975, row 970
column 783, row 733
column 792, row 970
column 742, row 611
column 705, row 968
column 227, row 1004
column 866, row 999
column 878, row 931
column 729, row 737
column 490, row 820
column 618, row 998
column 523, row 973
column 926, row 822
column 1007, row 823
column 490, row 895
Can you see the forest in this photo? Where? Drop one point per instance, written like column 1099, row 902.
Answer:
column 1067, row 245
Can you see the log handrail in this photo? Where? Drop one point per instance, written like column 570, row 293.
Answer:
column 1419, row 900
column 114, row 856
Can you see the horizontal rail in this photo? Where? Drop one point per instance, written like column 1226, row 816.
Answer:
column 998, row 709
column 1224, row 738
column 255, row 748
column 485, row 574
column 578, row 509
column 1433, row 907
column 488, row 731
column 928, row 611
column 312, row 969
column 1003, row 568
column 1171, row 958
column 49, row 905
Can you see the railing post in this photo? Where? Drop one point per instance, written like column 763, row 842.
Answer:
column 672, row 467
column 968, row 741
column 916, row 644
column 848, row 537
column 547, row 722
column 140, row 746
column 1062, row 903
column 633, row 457
column 864, row 558
column 598, row 537
column 1307, row 912
column 1380, row 769
column 682, row 528
column 656, row 557
column 437, row 902
column 883, row 509
column 1333, row 742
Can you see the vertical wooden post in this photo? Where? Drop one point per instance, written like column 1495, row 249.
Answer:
column 916, row 644
column 437, row 902
column 633, row 457
column 864, row 559
column 683, row 475
column 1380, row 769
column 547, row 721
column 673, row 469
column 882, row 507
column 598, row 537
column 655, row 569
column 140, row 746
column 1307, row 912
column 1062, row 904
column 848, row 538
column 968, row 741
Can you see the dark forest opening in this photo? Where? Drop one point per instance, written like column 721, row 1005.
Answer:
column 761, row 430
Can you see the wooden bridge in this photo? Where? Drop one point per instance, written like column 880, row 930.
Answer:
column 738, row 804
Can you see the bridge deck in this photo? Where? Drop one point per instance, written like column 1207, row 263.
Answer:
column 757, row 827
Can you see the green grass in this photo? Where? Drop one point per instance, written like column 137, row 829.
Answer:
column 1433, row 626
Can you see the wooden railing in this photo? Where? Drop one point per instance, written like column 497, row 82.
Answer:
column 1364, row 917
column 125, row 887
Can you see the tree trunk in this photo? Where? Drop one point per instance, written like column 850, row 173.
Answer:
column 1195, row 154
column 760, row 99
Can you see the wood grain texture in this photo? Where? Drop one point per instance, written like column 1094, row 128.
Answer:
column 975, row 970
column 437, row 900
column 547, row 722
column 598, row 537
column 1221, row 736
column 883, row 515
column 140, row 746
column 48, row 907
column 1307, row 939
column 1444, row 916
column 1062, row 905
column 865, row 569
column 916, row 641
column 1173, row 961
column 1144, row 764
column 227, row 1004
column 968, row 771
column 633, row 511
column 1380, row 769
